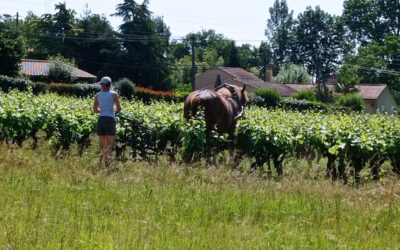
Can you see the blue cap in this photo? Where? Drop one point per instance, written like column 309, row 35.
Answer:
column 105, row 80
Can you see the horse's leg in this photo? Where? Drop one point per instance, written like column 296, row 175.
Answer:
column 231, row 148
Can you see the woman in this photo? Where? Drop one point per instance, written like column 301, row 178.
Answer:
column 106, row 103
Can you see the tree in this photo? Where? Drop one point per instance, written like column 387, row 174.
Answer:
column 378, row 63
column 61, row 70
column 348, row 79
column 279, row 32
column 319, row 38
column 246, row 56
column 145, row 41
column 12, row 47
column 51, row 35
column 372, row 20
column 96, row 47
column 292, row 73
column 263, row 58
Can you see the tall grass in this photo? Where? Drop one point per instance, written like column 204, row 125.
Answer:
column 48, row 203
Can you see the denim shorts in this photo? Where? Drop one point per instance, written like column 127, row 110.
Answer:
column 106, row 126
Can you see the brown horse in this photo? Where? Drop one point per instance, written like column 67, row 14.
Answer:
column 222, row 108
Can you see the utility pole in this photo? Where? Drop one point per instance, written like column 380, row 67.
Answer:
column 17, row 21
column 193, row 71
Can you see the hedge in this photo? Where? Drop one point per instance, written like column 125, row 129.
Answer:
column 79, row 89
column 148, row 94
column 8, row 83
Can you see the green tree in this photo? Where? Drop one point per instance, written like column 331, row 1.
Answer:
column 246, row 56
column 51, row 35
column 348, row 79
column 12, row 47
column 319, row 38
column 61, row 70
column 145, row 41
column 279, row 32
column 292, row 73
column 96, row 46
column 378, row 62
column 372, row 20
column 263, row 58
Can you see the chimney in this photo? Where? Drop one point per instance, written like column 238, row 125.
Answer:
column 268, row 74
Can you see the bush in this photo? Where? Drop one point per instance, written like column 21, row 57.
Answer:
column 39, row 87
column 292, row 73
column 305, row 94
column 79, row 90
column 148, row 95
column 268, row 97
column 60, row 70
column 8, row 83
column 302, row 105
column 125, row 88
column 353, row 101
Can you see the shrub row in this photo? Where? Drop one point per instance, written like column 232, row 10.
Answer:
column 79, row 89
column 148, row 94
column 8, row 83
column 305, row 100
column 124, row 87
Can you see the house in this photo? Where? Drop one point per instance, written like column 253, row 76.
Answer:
column 377, row 97
column 39, row 69
column 239, row 77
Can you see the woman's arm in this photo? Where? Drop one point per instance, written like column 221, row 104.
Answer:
column 117, row 103
column 96, row 105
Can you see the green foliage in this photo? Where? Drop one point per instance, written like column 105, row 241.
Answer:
column 320, row 39
column 292, row 73
column 12, row 48
column 10, row 83
column 77, row 90
column 266, row 134
column 143, row 56
column 305, row 94
column 268, row 97
column 125, row 88
column 279, row 32
column 348, row 79
column 61, row 70
column 323, row 93
column 353, row 101
column 377, row 63
column 303, row 105
column 372, row 20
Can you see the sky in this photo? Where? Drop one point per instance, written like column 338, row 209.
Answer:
column 242, row 21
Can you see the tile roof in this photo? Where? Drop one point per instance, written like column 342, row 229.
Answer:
column 241, row 74
column 32, row 67
column 371, row 92
column 367, row 91
column 252, row 80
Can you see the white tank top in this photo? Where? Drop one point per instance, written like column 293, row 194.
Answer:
column 106, row 103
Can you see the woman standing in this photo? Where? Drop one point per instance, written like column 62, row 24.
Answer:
column 106, row 103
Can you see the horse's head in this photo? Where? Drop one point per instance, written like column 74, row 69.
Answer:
column 238, row 94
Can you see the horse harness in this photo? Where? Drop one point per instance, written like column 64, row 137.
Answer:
column 234, row 99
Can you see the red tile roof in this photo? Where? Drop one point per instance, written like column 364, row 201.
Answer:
column 241, row 74
column 371, row 92
column 252, row 80
column 367, row 91
column 32, row 67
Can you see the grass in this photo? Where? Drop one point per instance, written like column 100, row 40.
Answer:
column 50, row 203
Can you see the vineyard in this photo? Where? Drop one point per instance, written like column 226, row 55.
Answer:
column 267, row 136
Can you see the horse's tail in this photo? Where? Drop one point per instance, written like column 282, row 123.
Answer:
column 192, row 104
